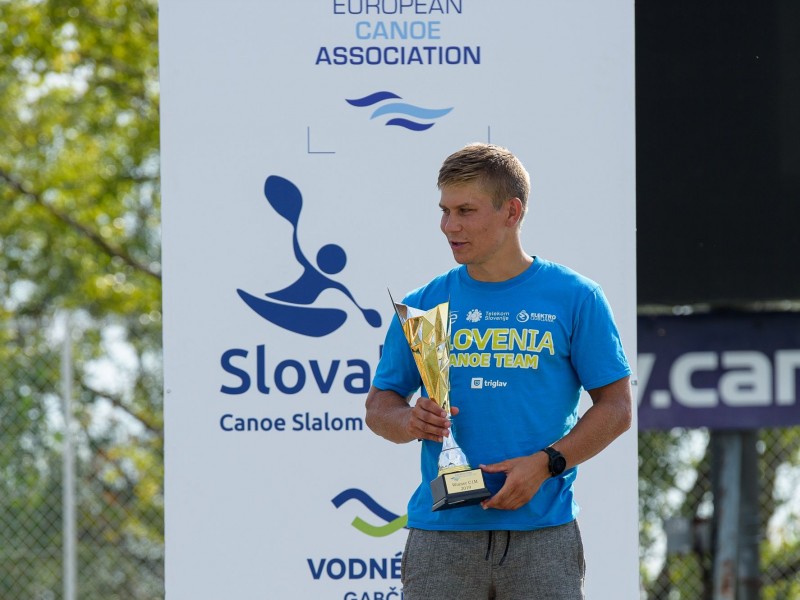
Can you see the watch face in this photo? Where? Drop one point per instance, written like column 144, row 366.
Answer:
column 558, row 465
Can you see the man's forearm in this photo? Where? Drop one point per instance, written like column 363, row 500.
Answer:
column 607, row 418
column 387, row 415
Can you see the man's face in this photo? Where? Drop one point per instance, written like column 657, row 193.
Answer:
column 478, row 234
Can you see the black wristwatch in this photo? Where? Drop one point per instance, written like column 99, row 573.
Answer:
column 557, row 463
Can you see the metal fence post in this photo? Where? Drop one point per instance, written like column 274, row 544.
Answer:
column 69, row 516
column 749, row 521
column 727, row 506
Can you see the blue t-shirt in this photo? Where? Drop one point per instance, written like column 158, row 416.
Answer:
column 521, row 350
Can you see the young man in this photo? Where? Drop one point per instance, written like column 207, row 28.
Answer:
column 526, row 336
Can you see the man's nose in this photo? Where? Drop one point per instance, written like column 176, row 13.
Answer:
column 450, row 223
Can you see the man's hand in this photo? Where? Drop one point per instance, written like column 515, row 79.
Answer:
column 428, row 421
column 390, row 416
column 524, row 477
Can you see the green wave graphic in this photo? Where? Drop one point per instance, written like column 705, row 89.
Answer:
column 381, row 531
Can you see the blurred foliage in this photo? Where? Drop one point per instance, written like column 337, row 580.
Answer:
column 79, row 233
column 675, row 480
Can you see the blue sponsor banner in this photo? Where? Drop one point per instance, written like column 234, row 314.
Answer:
column 732, row 371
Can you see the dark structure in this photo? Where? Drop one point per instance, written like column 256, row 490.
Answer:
column 718, row 151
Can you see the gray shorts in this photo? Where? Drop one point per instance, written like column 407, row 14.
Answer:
column 544, row 564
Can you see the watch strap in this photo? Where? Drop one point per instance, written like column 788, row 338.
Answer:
column 553, row 455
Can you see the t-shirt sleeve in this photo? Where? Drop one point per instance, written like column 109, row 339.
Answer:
column 397, row 370
column 596, row 349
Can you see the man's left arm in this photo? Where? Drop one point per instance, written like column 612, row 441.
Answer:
column 608, row 417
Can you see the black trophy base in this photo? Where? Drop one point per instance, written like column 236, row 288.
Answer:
column 461, row 488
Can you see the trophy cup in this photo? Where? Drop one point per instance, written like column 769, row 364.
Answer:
column 428, row 336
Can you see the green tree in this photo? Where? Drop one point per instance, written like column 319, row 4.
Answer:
column 79, row 233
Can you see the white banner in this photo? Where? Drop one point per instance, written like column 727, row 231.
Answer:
column 300, row 147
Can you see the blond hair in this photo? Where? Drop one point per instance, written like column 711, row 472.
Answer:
column 494, row 168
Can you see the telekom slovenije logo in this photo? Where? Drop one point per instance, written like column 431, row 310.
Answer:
column 290, row 308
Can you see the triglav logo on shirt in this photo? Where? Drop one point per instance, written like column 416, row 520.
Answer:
column 478, row 383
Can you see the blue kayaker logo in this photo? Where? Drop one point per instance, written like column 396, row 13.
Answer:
column 289, row 308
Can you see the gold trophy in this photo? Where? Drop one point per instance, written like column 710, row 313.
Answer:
column 428, row 336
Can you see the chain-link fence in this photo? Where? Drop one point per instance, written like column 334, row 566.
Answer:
column 111, row 544
column 677, row 504
column 117, row 531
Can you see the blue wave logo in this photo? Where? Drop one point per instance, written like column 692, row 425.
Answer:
column 393, row 522
column 290, row 308
column 389, row 107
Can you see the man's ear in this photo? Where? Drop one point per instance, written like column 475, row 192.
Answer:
column 514, row 214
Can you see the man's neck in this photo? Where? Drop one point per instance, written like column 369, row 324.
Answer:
column 501, row 269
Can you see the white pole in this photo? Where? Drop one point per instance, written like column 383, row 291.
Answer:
column 69, row 535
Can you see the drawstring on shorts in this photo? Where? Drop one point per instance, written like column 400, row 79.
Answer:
column 505, row 550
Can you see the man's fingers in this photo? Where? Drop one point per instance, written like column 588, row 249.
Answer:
column 501, row 467
column 430, row 431
column 428, row 420
column 430, row 406
column 502, row 500
column 507, row 498
column 519, row 486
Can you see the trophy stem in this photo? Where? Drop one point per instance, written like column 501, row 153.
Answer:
column 452, row 458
